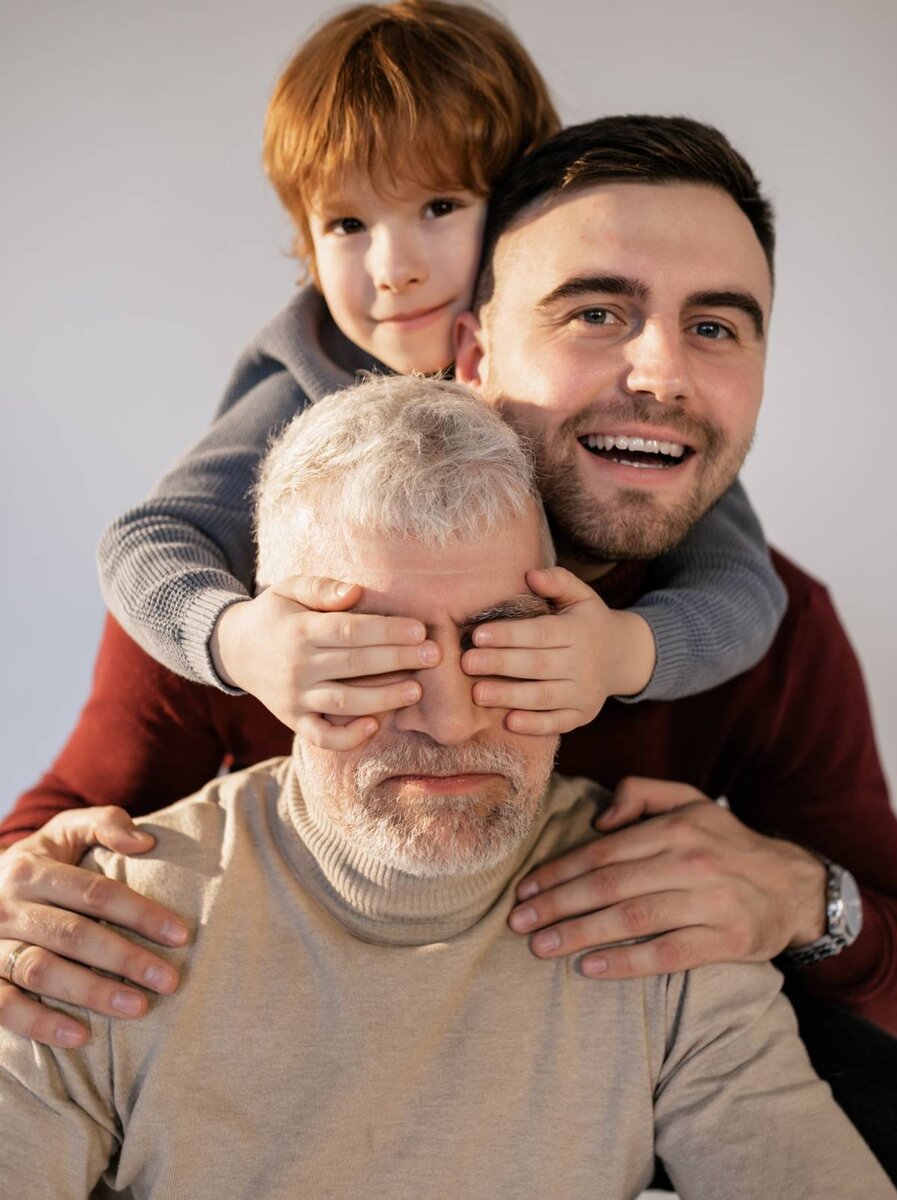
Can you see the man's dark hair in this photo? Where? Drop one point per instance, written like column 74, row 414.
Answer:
column 627, row 149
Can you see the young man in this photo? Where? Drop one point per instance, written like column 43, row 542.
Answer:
column 402, row 1044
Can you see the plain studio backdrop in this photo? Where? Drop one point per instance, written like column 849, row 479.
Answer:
column 142, row 247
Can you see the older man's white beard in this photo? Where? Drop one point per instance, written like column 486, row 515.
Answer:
column 428, row 836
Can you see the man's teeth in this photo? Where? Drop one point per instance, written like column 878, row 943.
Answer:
column 598, row 441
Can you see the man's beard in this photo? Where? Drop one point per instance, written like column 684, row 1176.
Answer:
column 427, row 836
column 635, row 523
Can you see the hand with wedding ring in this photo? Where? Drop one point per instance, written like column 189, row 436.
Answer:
column 46, row 934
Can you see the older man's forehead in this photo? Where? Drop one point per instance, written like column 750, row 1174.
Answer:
column 516, row 607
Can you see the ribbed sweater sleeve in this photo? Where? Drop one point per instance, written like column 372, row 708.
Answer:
column 171, row 565
column 714, row 603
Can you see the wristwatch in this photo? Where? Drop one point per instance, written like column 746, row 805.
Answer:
column 843, row 917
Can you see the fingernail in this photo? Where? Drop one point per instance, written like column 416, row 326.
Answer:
column 174, row 932
column 485, row 694
column 594, row 966
column 137, row 834
column 473, row 662
column 161, row 979
column 416, row 632
column 71, row 1035
column 482, row 637
column 428, row 655
column 129, row 1003
column 527, row 889
column 546, row 941
column 523, row 919
column 411, row 693
column 607, row 812
column 343, row 589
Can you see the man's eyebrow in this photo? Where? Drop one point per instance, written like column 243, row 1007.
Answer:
column 590, row 285
column 515, row 608
column 743, row 301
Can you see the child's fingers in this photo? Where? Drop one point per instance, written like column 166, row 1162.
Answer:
column 542, row 696
column 318, row 591
column 361, row 629
column 320, row 732
column 536, row 632
column 519, row 664
column 374, row 660
column 560, row 585
column 340, row 700
column 560, row 720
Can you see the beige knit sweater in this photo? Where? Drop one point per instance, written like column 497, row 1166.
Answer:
column 344, row 1031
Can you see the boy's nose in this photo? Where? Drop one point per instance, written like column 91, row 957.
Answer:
column 446, row 711
column 657, row 362
column 396, row 262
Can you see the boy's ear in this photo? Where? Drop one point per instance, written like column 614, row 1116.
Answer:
column 470, row 355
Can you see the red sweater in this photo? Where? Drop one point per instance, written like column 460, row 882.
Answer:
column 789, row 743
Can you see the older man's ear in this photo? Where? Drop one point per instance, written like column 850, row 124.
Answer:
column 471, row 366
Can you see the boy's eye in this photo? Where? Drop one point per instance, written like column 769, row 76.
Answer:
column 346, row 225
column 441, row 208
column 712, row 330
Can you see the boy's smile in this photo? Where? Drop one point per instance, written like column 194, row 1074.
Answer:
column 396, row 262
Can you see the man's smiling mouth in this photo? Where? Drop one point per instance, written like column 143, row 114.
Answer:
column 636, row 451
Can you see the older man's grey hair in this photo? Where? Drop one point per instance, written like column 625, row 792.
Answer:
column 398, row 456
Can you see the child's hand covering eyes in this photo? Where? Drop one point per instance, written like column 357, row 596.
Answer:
column 555, row 672
column 294, row 645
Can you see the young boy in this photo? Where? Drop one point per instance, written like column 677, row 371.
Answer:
column 384, row 138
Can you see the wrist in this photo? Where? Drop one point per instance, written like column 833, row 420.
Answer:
column 635, row 654
column 224, row 644
column 807, row 898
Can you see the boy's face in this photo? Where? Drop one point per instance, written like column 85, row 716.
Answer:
column 396, row 265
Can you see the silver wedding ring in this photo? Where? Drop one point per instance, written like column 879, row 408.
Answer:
column 9, row 963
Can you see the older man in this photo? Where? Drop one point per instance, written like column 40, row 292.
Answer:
column 356, row 1018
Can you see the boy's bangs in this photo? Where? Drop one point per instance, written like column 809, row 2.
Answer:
column 392, row 153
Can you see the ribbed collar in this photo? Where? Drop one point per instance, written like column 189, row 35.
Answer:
column 377, row 903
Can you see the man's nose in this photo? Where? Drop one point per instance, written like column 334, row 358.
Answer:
column 657, row 362
column 395, row 260
column 446, row 711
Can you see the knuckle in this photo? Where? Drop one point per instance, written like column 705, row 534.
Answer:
column 98, row 892
column 671, row 957
column 601, row 889
column 20, row 871
column 70, row 934
column 33, row 969
column 699, row 860
column 634, row 917
column 344, row 631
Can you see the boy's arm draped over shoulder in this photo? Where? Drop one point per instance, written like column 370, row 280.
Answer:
column 170, row 566
column 739, row 1111
column 714, row 604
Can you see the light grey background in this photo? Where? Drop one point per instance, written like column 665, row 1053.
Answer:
column 142, row 247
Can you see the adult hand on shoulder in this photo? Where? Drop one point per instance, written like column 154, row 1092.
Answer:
column 44, row 936
column 297, row 649
column 681, row 871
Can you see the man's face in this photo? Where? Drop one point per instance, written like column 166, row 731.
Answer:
column 443, row 787
column 626, row 338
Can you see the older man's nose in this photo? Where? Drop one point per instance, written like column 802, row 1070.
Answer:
column 446, row 711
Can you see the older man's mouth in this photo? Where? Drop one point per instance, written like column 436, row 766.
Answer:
column 442, row 785
column 635, row 450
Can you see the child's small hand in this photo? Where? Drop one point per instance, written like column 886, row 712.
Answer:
column 567, row 663
column 296, row 648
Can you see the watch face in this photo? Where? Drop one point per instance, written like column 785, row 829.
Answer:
column 852, row 905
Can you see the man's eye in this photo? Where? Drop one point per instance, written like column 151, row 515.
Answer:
column 712, row 330
column 441, row 208
column 346, row 225
column 598, row 316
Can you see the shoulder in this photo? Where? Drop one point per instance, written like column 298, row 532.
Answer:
column 198, row 837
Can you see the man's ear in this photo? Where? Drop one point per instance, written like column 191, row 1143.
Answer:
column 470, row 355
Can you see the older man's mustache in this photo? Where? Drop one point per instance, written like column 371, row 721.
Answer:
column 415, row 756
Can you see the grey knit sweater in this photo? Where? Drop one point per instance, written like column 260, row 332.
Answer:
column 170, row 566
